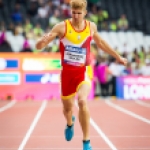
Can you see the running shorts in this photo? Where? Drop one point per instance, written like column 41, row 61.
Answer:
column 72, row 79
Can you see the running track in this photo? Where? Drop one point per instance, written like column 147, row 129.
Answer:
column 115, row 125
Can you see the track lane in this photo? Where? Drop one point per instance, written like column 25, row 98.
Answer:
column 49, row 132
column 15, row 122
column 134, row 107
column 124, row 131
column 3, row 103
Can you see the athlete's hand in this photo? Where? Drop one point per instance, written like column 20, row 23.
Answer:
column 41, row 43
column 122, row 61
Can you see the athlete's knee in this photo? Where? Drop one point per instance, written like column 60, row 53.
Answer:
column 67, row 109
column 67, row 105
column 82, row 104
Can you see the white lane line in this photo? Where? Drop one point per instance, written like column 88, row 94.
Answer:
column 142, row 148
column 9, row 105
column 142, row 103
column 57, row 148
column 29, row 132
column 130, row 113
column 101, row 133
column 96, row 136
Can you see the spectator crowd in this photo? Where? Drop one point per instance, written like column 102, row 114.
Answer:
column 22, row 22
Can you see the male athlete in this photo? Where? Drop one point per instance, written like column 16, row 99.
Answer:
column 75, row 35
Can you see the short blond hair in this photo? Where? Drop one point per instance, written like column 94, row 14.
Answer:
column 78, row 4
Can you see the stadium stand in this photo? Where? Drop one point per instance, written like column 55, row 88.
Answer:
column 119, row 21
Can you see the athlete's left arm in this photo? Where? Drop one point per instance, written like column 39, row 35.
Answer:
column 105, row 46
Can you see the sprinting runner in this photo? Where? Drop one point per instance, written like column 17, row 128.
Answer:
column 75, row 35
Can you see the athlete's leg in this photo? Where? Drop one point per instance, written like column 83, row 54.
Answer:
column 84, row 116
column 68, row 113
column 68, row 109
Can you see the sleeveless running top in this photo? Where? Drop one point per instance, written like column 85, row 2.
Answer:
column 75, row 46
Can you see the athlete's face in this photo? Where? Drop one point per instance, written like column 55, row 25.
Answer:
column 78, row 14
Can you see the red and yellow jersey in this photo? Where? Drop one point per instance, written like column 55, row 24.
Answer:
column 75, row 46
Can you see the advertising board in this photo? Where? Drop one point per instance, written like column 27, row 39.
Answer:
column 33, row 75
column 133, row 88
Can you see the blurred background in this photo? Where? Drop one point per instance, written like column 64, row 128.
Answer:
column 26, row 73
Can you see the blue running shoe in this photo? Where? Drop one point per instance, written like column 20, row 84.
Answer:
column 87, row 145
column 69, row 131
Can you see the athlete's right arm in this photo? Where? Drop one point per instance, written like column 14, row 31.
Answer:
column 48, row 37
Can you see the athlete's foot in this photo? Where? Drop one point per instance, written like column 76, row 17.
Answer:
column 69, row 131
column 87, row 145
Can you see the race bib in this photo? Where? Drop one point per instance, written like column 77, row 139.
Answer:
column 75, row 55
